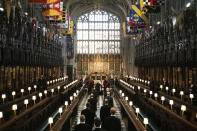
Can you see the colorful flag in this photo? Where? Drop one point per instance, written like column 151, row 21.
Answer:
column 42, row 1
column 51, row 9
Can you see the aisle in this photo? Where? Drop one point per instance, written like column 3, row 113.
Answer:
column 99, row 104
column 119, row 115
column 80, row 108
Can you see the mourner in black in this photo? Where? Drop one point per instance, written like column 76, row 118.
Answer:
column 89, row 114
column 93, row 102
column 105, row 111
column 112, row 123
column 82, row 126
column 97, row 123
column 110, row 99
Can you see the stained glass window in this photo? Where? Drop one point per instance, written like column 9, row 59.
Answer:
column 98, row 32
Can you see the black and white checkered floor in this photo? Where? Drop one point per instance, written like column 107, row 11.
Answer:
column 99, row 104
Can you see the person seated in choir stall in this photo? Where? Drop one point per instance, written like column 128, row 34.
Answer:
column 93, row 102
column 82, row 126
column 105, row 110
column 97, row 123
column 42, row 83
column 112, row 123
column 89, row 114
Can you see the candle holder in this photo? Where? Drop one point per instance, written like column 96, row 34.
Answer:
column 50, row 121
column 162, row 99
column 29, row 89
column 3, row 96
column 60, row 111
column 181, row 94
column 34, row 99
column 191, row 96
column 150, row 93
column 145, row 122
column 14, row 108
column 40, row 95
column 171, row 102
column 183, row 109
column 26, row 102
column 137, row 111
column 22, row 91
column 13, row 94
column 66, row 104
column 156, row 95
column 58, row 88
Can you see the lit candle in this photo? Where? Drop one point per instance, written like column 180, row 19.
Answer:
column 71, row 98
column 45, row 93
column 3, row 96
column 145, row 122
column 145, row 92
column 173, row 91
column 52, row 91
column 13, row 94
column 34, row 99
column 122, row 94
column 120, row 91
column 75, row 95
column 183, row 109
column 50, row 121
column 167, row 89
column 14, row 108
column 138, row 87
column 66, row 103
column 151, row 92
column 26, row 102
column 137, row 111
column 191, row 96
column 161, row 87
column 1, row 115
column 156, row 95
column 29, row 89
column 40, row 95
column 130, row 103
column 58, row 88
column 171, row 102
column 60, row 111
column 35, row 86
column 22, row 91
column 77, row 91
column 126, row 98
column 162, row 99
column 181, row 93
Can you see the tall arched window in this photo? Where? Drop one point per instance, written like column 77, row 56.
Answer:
column 98, row 32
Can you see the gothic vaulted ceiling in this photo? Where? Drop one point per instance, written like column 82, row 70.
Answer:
column 79, row 7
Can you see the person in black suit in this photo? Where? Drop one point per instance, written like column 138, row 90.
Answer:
column 110, row 100
column 105, row 111
column 112, row 123
column 97, row 123
column 82, row 126
column 89, row 115
column 93, row 102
